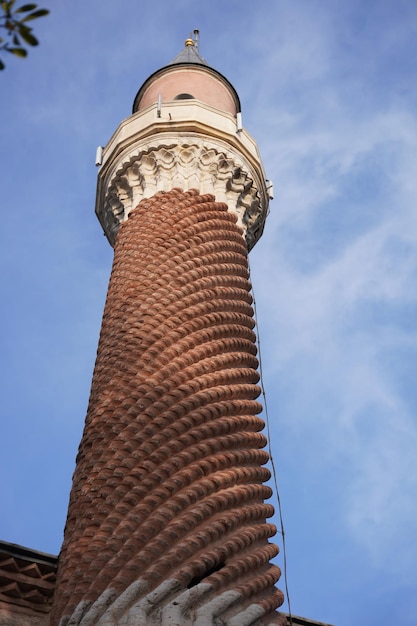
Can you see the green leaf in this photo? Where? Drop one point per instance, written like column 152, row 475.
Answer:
column 19, row 52
column 22, row 28
column 25, row 8
column 36, row 14
column 28, row 37
column 7, row 6
column 2, row 66
column 16, row 40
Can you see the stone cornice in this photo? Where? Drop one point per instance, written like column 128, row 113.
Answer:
column 190, row 146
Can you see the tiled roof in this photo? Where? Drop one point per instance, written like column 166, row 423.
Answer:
column 27, row 577
column 169, row 482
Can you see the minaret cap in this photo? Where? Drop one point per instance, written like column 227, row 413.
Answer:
column 188, row 75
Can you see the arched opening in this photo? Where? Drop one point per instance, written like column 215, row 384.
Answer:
column 184, row 96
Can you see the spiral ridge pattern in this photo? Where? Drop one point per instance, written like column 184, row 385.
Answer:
column 169, row 481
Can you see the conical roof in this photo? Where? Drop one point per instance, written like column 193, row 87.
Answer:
column 189, row 54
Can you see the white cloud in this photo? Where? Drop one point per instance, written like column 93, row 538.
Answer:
column 335, row 315
column 333, row 326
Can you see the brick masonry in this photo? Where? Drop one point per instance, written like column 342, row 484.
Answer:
column 169, row 482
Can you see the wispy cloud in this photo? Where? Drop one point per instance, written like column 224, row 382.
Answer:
column 337, row 316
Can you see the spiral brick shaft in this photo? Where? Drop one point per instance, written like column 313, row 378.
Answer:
column 167, row 505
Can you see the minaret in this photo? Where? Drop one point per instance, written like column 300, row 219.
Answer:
column 167, row 515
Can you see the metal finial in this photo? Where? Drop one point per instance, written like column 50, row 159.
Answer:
column 196, row 37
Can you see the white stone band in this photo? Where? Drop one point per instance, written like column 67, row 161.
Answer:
column 187, row 162
column 166, row 606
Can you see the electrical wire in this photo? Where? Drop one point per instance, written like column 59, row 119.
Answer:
column 274, row 473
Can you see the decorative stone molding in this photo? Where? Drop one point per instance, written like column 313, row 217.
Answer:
column 186, row 162
column 164, row 606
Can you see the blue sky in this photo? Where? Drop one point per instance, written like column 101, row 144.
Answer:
column 328, row 90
